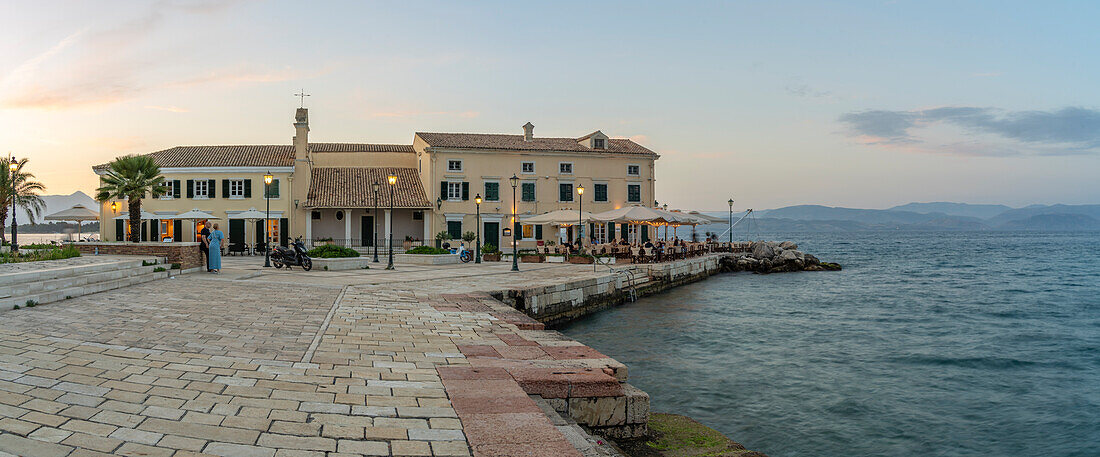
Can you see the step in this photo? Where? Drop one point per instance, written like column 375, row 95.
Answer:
column 120, row 271
column 62, row 271
column 77, row 291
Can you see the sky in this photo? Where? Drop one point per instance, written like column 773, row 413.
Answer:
column 858, row 104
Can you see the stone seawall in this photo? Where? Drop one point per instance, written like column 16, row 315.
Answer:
column 564, row 302
column 186, row 253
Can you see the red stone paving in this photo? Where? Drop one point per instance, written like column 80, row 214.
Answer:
column 484, row 388
column 479, row 351
column 510, row 428
column 515, row 340
column 493, row 404
column 553, row 448
column 457, row 373
column 560, row 383
column 573, row 352
column 522, row 353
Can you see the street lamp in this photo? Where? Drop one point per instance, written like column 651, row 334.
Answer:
column 114, row 207
column 514, row 181
column 13, row 166
column 393, row 184
column 267, row 219
column 580, row 217
column 665, row 207
column 477, row 202
column 731, row 220
column 374, row 230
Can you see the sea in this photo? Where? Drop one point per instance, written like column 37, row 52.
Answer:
column 927, row 343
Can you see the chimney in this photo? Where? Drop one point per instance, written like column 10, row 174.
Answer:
column 528, row 131
column 301, row 133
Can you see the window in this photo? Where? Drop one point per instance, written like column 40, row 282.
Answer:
column 236, row 188
column 599, row 231
column 599, row 143
column 565, row 168
column 565, row 192
column 418, row 215
column 169, row 190
column 633, row 170
column 454, row 165
column 527, row 167
column 634, row 193
column 273, row 229
column 315, row 215
column 528, row 231
column 454, row 229
column 166, row 227
column 528, row 191
column 599, row 192
column 454, row 190
column 272, row 190
column 202, row 188
column 492, row 191
column 339, row 215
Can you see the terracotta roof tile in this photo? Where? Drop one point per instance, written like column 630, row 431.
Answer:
column 253, row 155
column 516, row 143
column 350, row 187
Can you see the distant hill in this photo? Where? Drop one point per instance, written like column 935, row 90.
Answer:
column 954, row 209
column 830, row 213
column 1092, row 211
column 55, row 203
column 1053, row 222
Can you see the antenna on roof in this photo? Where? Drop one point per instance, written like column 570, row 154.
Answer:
column 302, row 95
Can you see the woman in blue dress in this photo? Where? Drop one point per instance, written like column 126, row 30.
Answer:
column 215, row 241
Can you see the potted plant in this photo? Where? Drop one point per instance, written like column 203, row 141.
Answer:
column 529, row 256
column 490, row 253
column 439, row 237
column 469, row 238
column 580, row 258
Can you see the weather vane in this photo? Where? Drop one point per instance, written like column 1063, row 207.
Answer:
column 302, row 95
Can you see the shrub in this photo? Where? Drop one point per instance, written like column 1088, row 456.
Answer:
column 442, row 235
column 427, row 250
column 159, row 269
column 332, row 251
column 175, row 266
column 55, row 253
column 146, row 263
column 489, row 249
column 469, row 237
column 38, row 246
column 31, row 303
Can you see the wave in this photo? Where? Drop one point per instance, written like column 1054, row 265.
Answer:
column 965, row 362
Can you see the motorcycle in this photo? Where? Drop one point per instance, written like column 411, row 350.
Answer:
column 295, row 255
column 464, row 254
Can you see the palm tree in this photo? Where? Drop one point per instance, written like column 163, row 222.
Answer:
column 26, row 192
column 130, row 178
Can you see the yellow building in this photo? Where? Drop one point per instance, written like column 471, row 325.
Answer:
column 329, row 191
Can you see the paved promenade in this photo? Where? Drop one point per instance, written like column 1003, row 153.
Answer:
column 273, row 363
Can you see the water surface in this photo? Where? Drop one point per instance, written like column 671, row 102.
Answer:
column 939, row 344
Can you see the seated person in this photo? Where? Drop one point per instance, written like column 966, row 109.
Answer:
column 649, row 244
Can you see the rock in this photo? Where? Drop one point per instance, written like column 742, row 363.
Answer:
column 762, row 251
column 788, row 245
column 810, row 259
column 787, row 256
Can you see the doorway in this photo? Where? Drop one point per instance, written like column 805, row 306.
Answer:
column 491, row 233
column 366, row 231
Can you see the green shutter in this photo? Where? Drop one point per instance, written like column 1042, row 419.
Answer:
column 225, row 188
column 120, row 230
column 443, row 190
column 176, row 188
column 538, row 232
column 528, row 191
column 610, row 231
column 248, row 188
column 645, row 232
column 177, row 230
column 624, row 231
column 190, row 188
column 144, row 231
column 260, row 235
column 211, row 188
column 283, row 226
column 465, row 191
column 517, row 230
column 454, row 229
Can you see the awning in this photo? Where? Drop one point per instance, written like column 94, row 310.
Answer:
column 194, row 214
column 76, row 213
column 561, row 217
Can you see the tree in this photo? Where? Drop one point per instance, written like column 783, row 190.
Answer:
column 130, row 178
column 26, row 192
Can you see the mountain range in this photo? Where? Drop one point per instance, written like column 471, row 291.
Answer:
column 55, row 203
column 930, row 216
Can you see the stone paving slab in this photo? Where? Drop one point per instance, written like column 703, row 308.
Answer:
column 211, row 365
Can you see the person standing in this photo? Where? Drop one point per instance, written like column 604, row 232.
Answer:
column 215, row 247
column 204, row 243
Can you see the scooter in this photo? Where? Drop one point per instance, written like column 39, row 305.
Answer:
column 464, row 254
column 293, row 256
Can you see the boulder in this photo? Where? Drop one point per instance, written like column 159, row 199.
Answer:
column 787, row 256
column 762, row 251
column 788, row 245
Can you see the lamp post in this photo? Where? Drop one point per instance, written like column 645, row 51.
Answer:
column 514, row 181
column 374, row 230
column 477, row 202
column 393, row 184
column 13, row 166
column 267, row 219
column 665, row 207
column 731, row 220
column 580, row 217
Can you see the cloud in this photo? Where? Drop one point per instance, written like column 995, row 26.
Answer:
column 105, row 65
column 804, row 90
column 1070, row 130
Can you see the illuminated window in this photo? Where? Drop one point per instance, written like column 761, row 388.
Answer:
column 273, row 229
column 528, row 231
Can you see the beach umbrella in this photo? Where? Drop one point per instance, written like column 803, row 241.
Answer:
column 78, row 214
column 145, row 215
column 631, row 215
column 193, row 215
column 251, row 215
column 561, row 217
